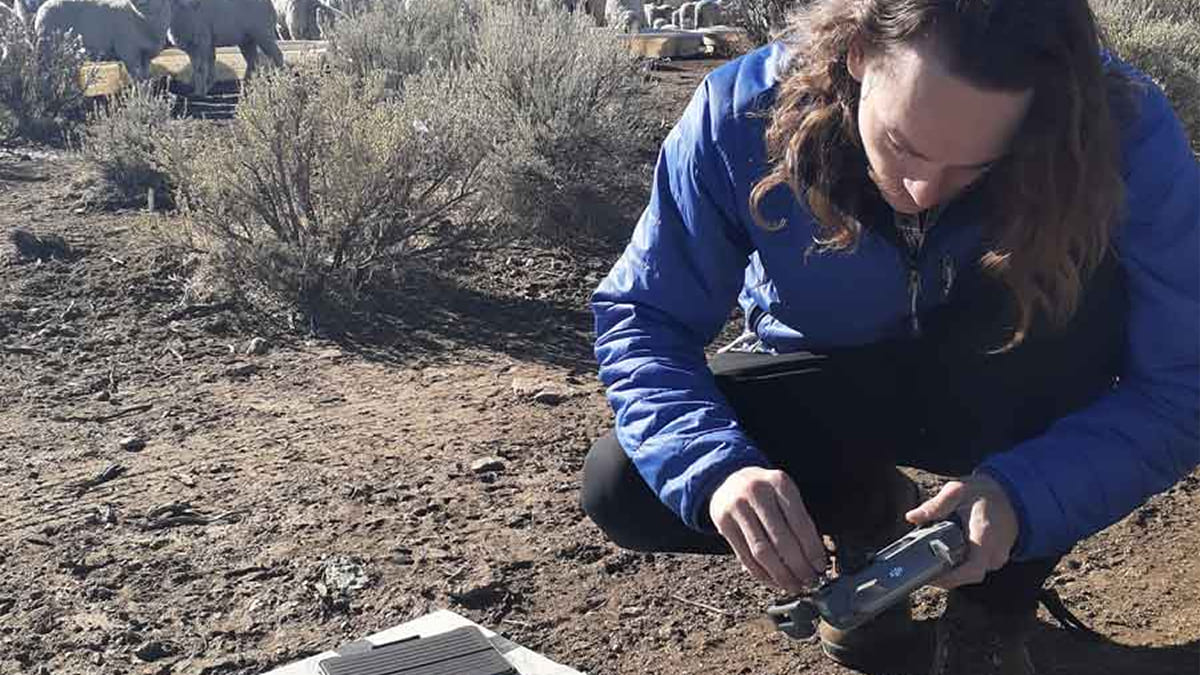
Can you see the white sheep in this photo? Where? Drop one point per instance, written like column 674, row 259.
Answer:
column 625, row 15
column 26, row 10
column 298, row 18
column 198, row 27
column 132, row 31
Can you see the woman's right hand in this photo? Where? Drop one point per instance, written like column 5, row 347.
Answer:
column 762, row 516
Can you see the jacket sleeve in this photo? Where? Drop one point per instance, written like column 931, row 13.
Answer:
column 666, row 298
column 1095, row 466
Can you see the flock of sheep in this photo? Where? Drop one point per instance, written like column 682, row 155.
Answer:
column 135, row 31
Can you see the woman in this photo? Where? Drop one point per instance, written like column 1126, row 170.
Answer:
column 965, row 239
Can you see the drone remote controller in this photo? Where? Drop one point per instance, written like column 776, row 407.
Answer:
column 890, row 576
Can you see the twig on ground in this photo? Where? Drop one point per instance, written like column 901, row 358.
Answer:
column 175, row 514
column 111, row 472
column 20, row 349
column 106, row 417
column 701, row 605
column 193, row 311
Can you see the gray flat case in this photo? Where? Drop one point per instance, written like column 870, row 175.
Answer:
column 463, row 651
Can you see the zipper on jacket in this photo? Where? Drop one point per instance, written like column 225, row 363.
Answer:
column 910, row 237
column 914, row 293
column 947, row 276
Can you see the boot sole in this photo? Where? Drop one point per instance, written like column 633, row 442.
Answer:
column 912, row 651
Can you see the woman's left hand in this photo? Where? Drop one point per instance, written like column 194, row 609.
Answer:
column 991, row 524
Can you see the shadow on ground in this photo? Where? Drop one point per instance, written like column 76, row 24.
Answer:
column 21, row 172
column 1061, row 652
column 438, row 317
column 1057, row 651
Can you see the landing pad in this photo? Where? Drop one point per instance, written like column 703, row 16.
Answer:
column 526, row 662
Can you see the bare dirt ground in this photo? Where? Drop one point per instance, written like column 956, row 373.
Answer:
column 284, row 502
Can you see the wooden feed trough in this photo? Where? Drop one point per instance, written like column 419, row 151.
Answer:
column 106, row 78
column 718, row 40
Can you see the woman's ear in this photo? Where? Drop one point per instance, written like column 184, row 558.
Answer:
column 856, row 60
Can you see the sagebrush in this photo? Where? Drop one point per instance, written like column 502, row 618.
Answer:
column 398, row 38
column 562, row 95
column 566, row 98
column 1162, row 38
column 41, row 93
column 762, row 19
column 121, row 142
column 324, row 185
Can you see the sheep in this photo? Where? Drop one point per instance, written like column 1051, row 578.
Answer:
column 625, row 15
column 132, row 31
column 198, row 27
column 298, row 18
column 26, row 10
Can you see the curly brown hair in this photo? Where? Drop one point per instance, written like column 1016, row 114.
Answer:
column 1055, row 198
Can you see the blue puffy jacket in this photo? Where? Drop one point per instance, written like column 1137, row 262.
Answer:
column 696, row 249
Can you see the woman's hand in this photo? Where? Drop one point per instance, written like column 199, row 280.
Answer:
column 760, row 513
column 991, row 523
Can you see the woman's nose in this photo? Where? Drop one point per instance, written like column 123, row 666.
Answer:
column 924, row 192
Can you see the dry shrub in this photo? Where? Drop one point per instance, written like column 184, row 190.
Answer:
column 761, row 18
column 121, row 142
column 41, row 94
column 323, row 186
column 399, row 38
column 566, row 96
column 1162, row 38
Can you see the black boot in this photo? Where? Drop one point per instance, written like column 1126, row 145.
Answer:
column 876, row 644
column 971, row 640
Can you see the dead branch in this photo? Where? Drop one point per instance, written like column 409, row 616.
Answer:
column 701, row 605
column 106, row 417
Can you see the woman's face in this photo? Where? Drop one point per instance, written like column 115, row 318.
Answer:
column 928, row 134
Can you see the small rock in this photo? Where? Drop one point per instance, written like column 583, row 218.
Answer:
column 525, row 387
column 631, row 612
column 540, row 390
column 152, row 651
column 343, row 575
column 242, row 370
column 103, row 395
column 548, row 397
column 488, row 465
column 257, row 347
column 132, row 444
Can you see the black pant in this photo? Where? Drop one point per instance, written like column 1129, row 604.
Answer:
column 840, row 421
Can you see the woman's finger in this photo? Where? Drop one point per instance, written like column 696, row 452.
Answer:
column 802, row 526
column 787, row 544
column 972, row 571
column 733, row 534
column 940, row 506
column 763, row 551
